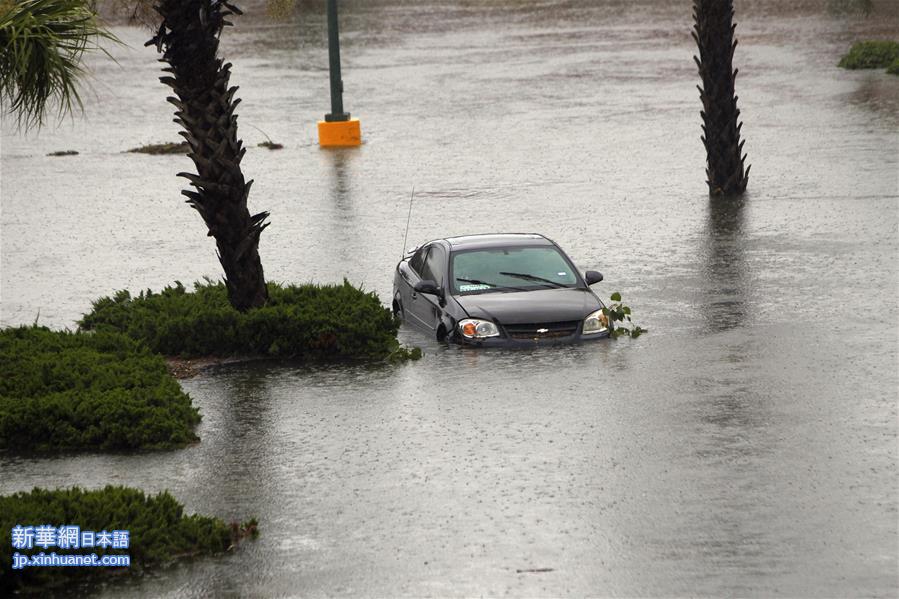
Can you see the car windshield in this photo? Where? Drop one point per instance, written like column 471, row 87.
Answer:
column 510, row 269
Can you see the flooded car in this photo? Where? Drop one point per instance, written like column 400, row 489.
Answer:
column 497, row 289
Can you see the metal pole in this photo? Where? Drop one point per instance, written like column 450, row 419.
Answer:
column 338, row 129
column 337, row 113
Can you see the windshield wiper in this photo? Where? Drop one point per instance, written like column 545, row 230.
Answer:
column 528, row 277
column 489, row 284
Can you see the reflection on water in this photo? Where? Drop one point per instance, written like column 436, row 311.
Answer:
column 344, row 232
column 727, row 282
column 842, row 7
column 877, row 92
column 247, row 448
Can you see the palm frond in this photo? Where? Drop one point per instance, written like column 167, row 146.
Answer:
column 41, row 45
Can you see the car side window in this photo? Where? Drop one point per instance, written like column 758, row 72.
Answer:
column 418, row 260
column 434, row 265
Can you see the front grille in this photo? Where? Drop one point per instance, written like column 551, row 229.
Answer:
column 553, row 330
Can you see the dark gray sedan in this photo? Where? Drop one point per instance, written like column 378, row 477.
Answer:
column 497, row 289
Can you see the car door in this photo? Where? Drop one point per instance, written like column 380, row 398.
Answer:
column 410, row 271
column 425, row 307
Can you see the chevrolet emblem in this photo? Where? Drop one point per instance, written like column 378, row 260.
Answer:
column 541, row 331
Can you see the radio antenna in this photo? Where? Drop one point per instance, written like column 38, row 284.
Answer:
column 408, row 219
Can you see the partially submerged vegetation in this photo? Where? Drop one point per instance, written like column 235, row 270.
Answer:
column 164, row 148
column 308, row 322
column 876, row 54
column 159, row 531
column 107, row 388
column 268, row 143
column 617, row 312
column 74, row 391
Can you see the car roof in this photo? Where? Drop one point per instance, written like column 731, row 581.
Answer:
column 488, row 240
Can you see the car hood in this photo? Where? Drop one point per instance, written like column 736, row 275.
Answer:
column 542, row 305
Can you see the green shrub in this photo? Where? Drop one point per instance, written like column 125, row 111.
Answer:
column 310, row 322
column 71, row 391
column 159, row 532
column 617, row 312
column 893, row 69
column 878, row 54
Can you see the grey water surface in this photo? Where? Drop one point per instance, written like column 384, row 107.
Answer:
column 746, row 446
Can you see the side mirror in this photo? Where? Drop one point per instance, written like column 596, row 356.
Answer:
column 427, row 286
column 591, row 276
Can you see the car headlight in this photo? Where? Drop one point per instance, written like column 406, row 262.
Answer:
column 596, row 322
column 474, row 328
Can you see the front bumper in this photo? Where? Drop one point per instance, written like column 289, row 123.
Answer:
column 523, row 340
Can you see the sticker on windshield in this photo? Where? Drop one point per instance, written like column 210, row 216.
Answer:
column 562, row 274
column 477, row 287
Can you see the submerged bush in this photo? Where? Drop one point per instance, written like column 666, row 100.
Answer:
column 178, row 147
column 310, row 322
column 617, row 312
column 69, row 391
column 159, row 532
column 878, row 54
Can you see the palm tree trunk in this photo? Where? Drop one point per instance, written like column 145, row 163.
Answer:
column 188, row 38
column 714, row 34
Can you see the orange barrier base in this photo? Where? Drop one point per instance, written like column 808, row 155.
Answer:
column 338, row 134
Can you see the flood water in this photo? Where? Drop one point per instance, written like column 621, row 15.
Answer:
column 746, row 446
